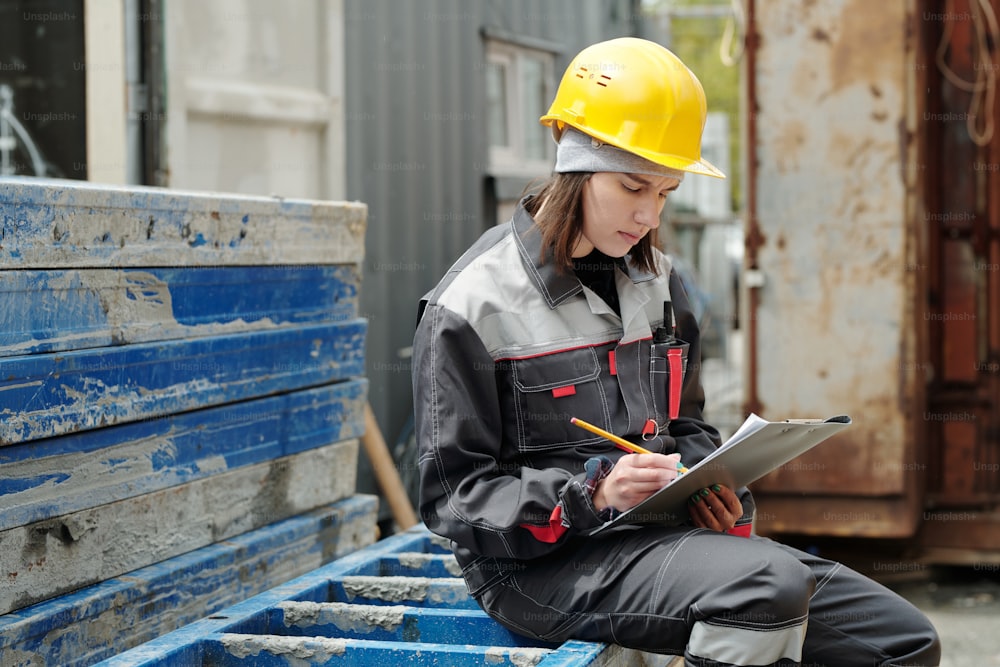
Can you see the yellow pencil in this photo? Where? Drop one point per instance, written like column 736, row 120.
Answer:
column 621, row 442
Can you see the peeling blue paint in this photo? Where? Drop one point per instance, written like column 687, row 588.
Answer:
column 12, row 485
column 161, row 460
column 49, row 311
column 47, row 395
column 178, row 448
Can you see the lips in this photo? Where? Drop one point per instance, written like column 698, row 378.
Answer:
column 630, row 238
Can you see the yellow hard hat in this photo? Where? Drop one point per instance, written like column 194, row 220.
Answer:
column 638, row 96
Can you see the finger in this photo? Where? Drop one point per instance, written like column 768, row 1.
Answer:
column 635, row 486
column 704, row 519
column 658, row 461
column 701, row 513
column 655, row 476
column 736, row 507
column 645, row 488
column 719, row 510
column 731, row 500
column 696, row 510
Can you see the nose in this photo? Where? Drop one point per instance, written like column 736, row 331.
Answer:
column 647, row 213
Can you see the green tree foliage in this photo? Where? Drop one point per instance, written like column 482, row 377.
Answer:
column 697, row 41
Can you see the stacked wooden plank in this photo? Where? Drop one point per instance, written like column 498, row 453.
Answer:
column 181, row 392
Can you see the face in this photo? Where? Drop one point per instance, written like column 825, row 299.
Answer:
column 619, row 209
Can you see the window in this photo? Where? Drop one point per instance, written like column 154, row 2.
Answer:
column 519, row 86
column 43, row 84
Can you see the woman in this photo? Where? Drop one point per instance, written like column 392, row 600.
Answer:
column 570, row 310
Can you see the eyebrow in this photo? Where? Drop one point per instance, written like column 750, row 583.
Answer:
column 647, row 182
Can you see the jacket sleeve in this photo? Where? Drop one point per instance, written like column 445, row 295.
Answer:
column 467, row 492
column 694, row 438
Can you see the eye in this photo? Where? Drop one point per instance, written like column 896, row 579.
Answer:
column 629, row 188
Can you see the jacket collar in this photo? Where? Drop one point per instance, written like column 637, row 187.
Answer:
column 554, row 285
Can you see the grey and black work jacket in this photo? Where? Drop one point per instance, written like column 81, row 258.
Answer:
column 507, row 350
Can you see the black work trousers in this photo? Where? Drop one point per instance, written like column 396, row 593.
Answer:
column 717, row 599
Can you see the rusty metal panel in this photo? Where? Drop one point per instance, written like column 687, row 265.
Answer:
column 959, row 295
column 955, row 468
column 963, row 311
column 835, row 317
column 842, row 516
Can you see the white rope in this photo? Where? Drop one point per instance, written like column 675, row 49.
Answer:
column 983, row 89
column 730, row 49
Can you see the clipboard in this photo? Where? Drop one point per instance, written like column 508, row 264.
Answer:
column 755, row 449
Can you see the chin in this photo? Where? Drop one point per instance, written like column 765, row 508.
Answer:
column 616, row 252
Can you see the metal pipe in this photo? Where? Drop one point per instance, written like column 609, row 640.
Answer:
column 8, row 143
column 753, row 237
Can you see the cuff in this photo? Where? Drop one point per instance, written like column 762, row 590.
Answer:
column 597, row 468
column 575, row 508
column 741, row 530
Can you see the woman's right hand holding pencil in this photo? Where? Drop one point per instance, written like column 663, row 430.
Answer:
column 634, row 478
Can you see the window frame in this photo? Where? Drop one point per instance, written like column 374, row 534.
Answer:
column 512, row 159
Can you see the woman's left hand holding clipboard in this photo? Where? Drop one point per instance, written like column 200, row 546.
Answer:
column 715, row 508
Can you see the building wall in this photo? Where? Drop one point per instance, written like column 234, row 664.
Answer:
column 254, row 97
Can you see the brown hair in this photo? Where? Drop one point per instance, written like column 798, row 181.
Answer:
column 561, row 221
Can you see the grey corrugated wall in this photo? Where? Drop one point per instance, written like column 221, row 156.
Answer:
column 416, row 152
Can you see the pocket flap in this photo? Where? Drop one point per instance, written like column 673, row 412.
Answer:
column 556, row 370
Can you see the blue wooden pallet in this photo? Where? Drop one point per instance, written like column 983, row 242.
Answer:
column 44, row 478
column 48, row 223
column 398, row 601
column 179, row 372
column 53, row 311
column 45, row 395
column 106, row 619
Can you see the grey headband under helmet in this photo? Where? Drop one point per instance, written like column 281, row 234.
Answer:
column 580, row 152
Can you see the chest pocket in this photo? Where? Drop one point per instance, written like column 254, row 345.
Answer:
column 552, row 389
